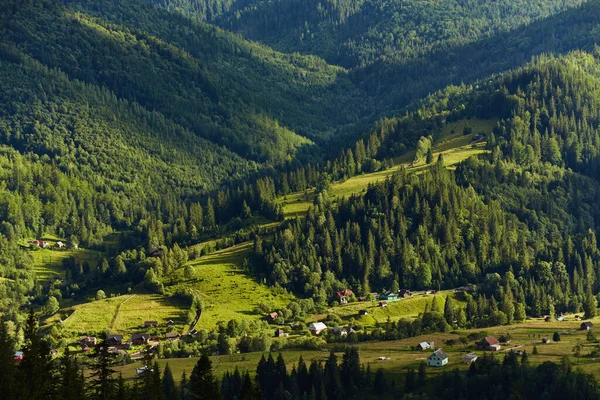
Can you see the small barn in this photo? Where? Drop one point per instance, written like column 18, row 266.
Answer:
column 470, row 358
column 316, row 328
column 586, row 326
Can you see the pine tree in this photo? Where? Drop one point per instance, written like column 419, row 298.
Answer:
column 380, row 383
column 35, row 369
column 203, row 384
column 102, row 382
column 331, row 378
column 8, row 370
column 168, row 385
column 71, row 380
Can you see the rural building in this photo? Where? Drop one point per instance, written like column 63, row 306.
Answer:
column 85, row 349
column 437, row 359
column 273, row 316
column 404, row 293
column 577, row 318
column 59, row 245
column 169, row 323
column 388, row 296
column 363, row 312
column 139, row 339
column 148, row 324
column 316, row 328
column 548, row 319
column 518, row 352
column 343, row 331
column 546, row 340
column 172, row 335
column 142, row 370
column 156, row 253
column 280, row 333
column 489, row 343
column 88, row 341
column 114, row 340
column 343, row 296
column 424, row 346
column 586, row 326
column 470, row 358
column 383, row 304
column 18, row 356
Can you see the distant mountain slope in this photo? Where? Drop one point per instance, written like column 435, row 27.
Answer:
column 357, row 32
column 222, row 88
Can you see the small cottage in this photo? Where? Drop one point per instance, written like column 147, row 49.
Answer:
column 383, row 304
column 546, row 340
column 169, row 323
column 149, row 324
column 316, row 328
column 139, row 339
column 388, row 296
column 586, row 326
column 404, row 293
column 18, row 356
column 273, row 316
column 88, row 341
column 172, row 336
column 437, row 359
column 280, row 333
column 114, row 340
column 470, row 358
column 343, row 295
column 363, row 312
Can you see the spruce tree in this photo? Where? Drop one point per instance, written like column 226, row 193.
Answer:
column 169, row 388
column 8, row 369
column 35, row 369
column 203, row 384
column 102, row 376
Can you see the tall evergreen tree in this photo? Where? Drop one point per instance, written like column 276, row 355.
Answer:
column 203, row 384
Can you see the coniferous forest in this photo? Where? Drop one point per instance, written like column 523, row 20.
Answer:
column 332, row 153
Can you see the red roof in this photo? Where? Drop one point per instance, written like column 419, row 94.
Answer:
column 491, row 340
column 344, row 293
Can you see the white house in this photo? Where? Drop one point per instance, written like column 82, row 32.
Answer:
column 437, row 359
column 316, row 328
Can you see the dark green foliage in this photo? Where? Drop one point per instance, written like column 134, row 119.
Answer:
column 203, row 384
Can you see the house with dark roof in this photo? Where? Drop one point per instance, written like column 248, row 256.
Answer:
column 437, row 359
column 114, row 340
column 404, row 293
column 172, row 335
column 363, row 312
column 139, row 339
column 586, row 326
column 148, row 324
column 470, row 358
column 87, row 341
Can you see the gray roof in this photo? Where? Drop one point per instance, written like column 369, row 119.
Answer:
column 440, row 353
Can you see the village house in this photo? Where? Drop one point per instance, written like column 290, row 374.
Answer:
column 316, row 328
column 148, row 324
column 169, row 323
column 59, row 245
column 577, row 318
column 156, row 252
column 489, row 343
column 586, row 326
column 547, row 319
column 18, row 356
column 114, row 340
column 139, row 339
column 172, row 336
column 281, row 333
column 404, row 293
column 389, row 296
column 88, row 341
column 383, row 304
column 343, row 331
column 363, row 312
column 273, row 316
column 343, row 296
column 142, row 370
column 546, row 340
column 437, row 359
column 470, row 358
column 424, row 346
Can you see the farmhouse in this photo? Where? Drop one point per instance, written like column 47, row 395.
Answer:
column 586, row 326
column 470, row 358
column 59, row 245
column 489, row 343
column 316, row 328
column 88, row 341
column 142, row 370
column 404, row 293
column 343, row 296
column 273, row 316
column 437, row 359
column 388, row 296
column 172, row 336
column 148, row 324
column 139, row 339
column 280, row 333
column 169, row 323
column 546, row 340
column 424, row 346
column 114, row 340
column 383, row 304
column 343, row 331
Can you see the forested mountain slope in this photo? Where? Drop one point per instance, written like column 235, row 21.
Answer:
column 259, row 103
column 522, row 221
